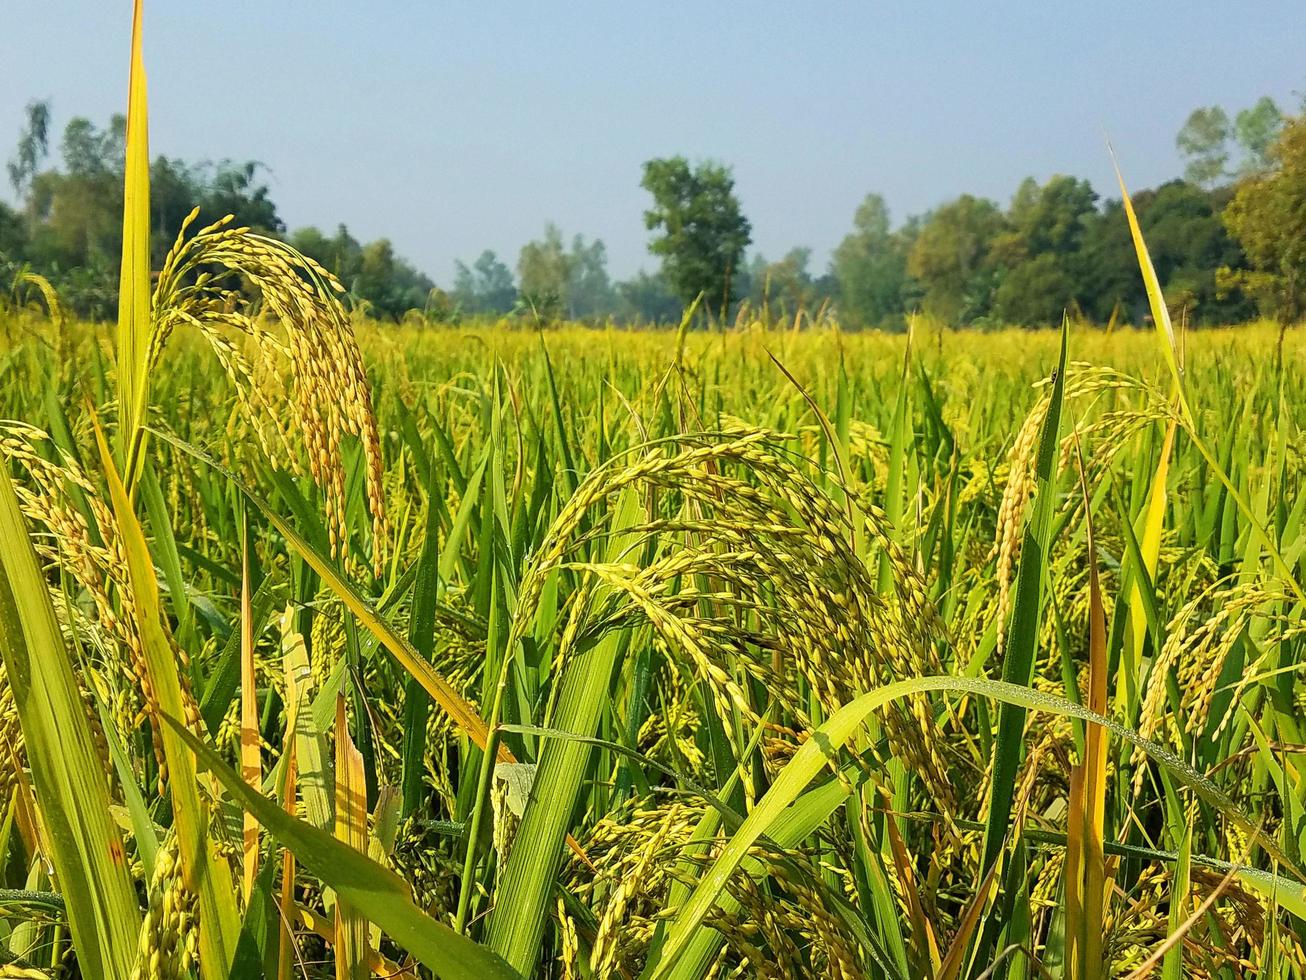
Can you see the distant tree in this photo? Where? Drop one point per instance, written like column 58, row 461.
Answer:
column 1108, row 281
column 1268, row 218
column 313, row 243
column 235, row 189
column 544, row 272
column 870, row 267
column 1039, row 253
column 950, row 258
column 341, row 254
column 389, row 283
column 1035, row 292
column 1256, row 129
column 1182, row 226
column 557, row 281
column 373, row 274
column 1204, row 142
column 485, row 288
column 76, row 212
column 33, row 145
column 647, row 298
column 173, row 193
column 1206, row 137
column 12, row 238
column 589, row 290
column 71, row 224
column 703, row 231
column 1052, row 218
column 785, row 287
column 1188, row 242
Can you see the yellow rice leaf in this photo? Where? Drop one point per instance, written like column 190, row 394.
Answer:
column 351, row 950
column 74, row 823
column 206, row 872
column 133, row 338
column 250, row 768
column 1155, row 298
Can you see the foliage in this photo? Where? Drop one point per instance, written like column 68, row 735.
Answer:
column 1204, row 140
column 703, row 232
column 1268, row 217
column 1206, row 136
column 951, row 258
column 786, row 287
column 555, row 281
column 486, row 287
column 647, row 298
column 1056, row 247
column 870, row 266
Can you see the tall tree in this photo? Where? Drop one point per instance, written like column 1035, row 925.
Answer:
column 1268, row 218
column 1039, row 253
column 1256, row 129
column 485, row 287
column 544, row 271
column 950, row 258
column 237, row 189
column 870, row 267
column 1187, row 242
column 33, row 145
column 703, row 231
column 1204, row 142
column 647, row 298
column 589, row 290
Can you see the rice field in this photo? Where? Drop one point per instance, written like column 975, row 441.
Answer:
column 340, row 649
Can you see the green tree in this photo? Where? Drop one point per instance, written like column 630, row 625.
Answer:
column 870, row 267
column 236, row 189
column 485, row 287
column 1256, row 129
column 373, row 274
column 1268, row 218
column 544, row 272
column 950, row 258
column 703, row 231
column 647, row 298
column 589, row 290
column 1039, row 252
column 785, row 287
column 1187, row 242
column 1204, row 142
column 33, row 145
column 557, row 281
column 1035, row 292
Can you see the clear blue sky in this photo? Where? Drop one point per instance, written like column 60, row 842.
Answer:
column 455, row 126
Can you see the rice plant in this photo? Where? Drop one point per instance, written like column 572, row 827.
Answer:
column 338, row 649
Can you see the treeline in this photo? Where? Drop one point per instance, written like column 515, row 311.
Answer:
column 1226, row 240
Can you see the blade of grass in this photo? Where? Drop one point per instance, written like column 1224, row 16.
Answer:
column 1169, row 349
column 1023, row 629
column 817, row 752
column 1088, row 806
column 250, row 765
column 453, row 703
column 295, row 709
column 351, row 949
column 1172, row 965
column 205, row 870
column 83, row 843
column 421, row 634
column 133, row 337
column 525, row 890
column 378, row 893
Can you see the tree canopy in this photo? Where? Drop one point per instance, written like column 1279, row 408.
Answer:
column 1226, row 240
column 702, row 230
